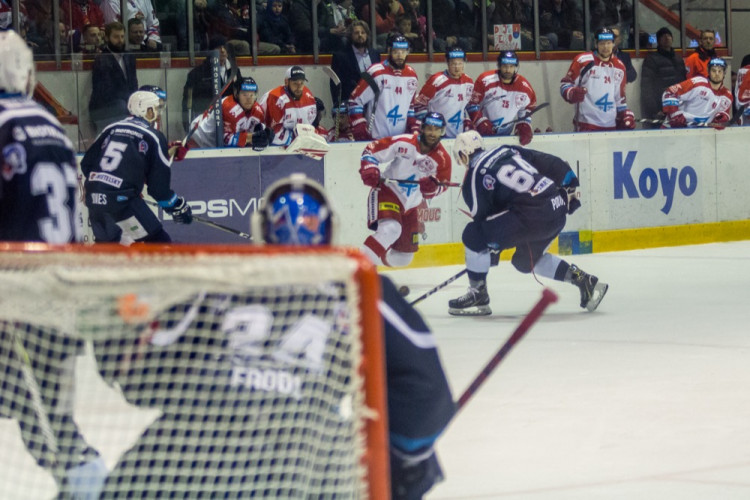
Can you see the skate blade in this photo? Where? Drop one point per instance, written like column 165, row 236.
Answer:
column 470, row 311
column 600, row 289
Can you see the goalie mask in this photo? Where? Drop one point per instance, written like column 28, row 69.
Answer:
column 17, row 71
column 296, row 212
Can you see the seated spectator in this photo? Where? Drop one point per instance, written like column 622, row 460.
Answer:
column 91, row 39
column 385, row 19
column 198, row 91
column 300, row 22
column 660, row 70
column 137, row 41
column 512, row 12
column 141, row 9
column 454, row 26
column 606, row 13
column 413, row 9
column 631, row 73
column 404, row 28
column 113, row 79
column 335, row 24
column 350, row 63
column 78, row 13
column 561, row 21
column 275, row 29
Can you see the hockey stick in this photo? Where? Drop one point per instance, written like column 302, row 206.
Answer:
column 548, row 297
column 650, row 120
column 367, row 77
column 520, row 119
column 337, row 82
column 212, row 224
column 439, row 287
column 414, row 183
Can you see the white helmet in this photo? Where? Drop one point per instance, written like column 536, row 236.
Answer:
column 17, row 72
column 140, row 101
column 467, row 143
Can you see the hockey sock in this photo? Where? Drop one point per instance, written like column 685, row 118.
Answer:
column 550, row 265
column 477, row 264
column 374, row 251
column 394, row 258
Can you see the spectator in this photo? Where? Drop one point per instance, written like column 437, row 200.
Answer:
column 137, row 41
column 453, row 26
column 300, row 21
column 335, row 25
column 275, row 29
column 561, row 21
column 660, row 70
column 630, row 71
column 199, row 86
column 350, row 63
column 288, row 105
column 404, row 28
column 385, row 18
column 612, row 12
column 595, row 84
column 413, row 9
column 699, row 101
column 201, row 25
column 91, row 41
column 113, row 79
column 512, row 12
column 696, row 64
column 140, row 9
column 78, row 13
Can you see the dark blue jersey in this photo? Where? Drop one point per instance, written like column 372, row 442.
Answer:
column 39, row 179
column 512, row 178
column 125, row 156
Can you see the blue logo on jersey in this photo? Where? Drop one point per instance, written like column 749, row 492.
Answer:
column 14, row 160
column 142, row 147
column 685, row 178
column 488, row 182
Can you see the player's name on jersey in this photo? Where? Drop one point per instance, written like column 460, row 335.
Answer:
column 267, row 380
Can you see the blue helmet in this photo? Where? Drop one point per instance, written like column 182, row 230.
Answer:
column 507, row 57
column 717, row 61
column 296, row 212
column 436, row 119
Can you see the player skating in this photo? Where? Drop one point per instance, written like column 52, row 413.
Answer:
column 503, row 96
column 518, row 198
column 243, row 118
column 392, row 206
column 699, row 101
column 125, row 156
column 448, row 93
column 595, row 84
column 387, row 90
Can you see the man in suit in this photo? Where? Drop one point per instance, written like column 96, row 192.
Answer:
column 350, row 63
column 113, row 79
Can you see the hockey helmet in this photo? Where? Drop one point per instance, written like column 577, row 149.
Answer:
column 141, row 101
column 156, row 90
column 296, row 212
column 455, row 53
column 398, row 41
column 17, row 70
column 604, row 35
column 245, row 84
column 717, row 61
column 507, row 57
column 467, row 143
column 435, row 119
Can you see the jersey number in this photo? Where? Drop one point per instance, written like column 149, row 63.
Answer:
column 55, row 183
column 604, row 103
column 519, row 176
column 112, row 156
column 457, row 120
column 393, row 116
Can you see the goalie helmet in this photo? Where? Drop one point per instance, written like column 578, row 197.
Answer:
column 467, row 143
column 296, row 212
column 17, row 72
column 141, row 101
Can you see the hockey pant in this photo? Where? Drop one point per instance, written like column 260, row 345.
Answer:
column 397, row 231
column 125, row 221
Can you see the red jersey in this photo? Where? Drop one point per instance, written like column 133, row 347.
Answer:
column 238, row 125
column 77, row 15
column 283, row 113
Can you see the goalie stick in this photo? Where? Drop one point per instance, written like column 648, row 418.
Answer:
column 367, row 77
column 548, row 297
column 337, row 83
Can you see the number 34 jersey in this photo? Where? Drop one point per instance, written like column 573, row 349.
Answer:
column 38, row 182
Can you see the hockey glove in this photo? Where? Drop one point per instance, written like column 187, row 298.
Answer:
column 429, row 186
column 180, row 212
column 524, row 133
column 720, row 119
column 677, row 121
column 574, row 95
column 261, row 137
column 370, row 176
column 570, row 191
column 574, row 200
column 625, row 120
column 468, row 125
column 484, row 127
column 177, row 151
column 359, row 129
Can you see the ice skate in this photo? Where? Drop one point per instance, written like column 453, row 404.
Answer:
column 474, row 303
column 592, row 291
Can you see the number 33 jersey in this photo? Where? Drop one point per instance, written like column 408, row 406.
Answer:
column 38, row 183
column 605, row 84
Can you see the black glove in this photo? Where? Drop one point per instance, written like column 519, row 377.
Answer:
column 569, row 192
column 261, row 137
column 180, row 212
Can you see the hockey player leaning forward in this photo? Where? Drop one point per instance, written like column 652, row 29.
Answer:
column 125, row 156
column 595, row 84
column 518, row 198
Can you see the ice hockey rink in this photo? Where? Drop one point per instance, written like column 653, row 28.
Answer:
column 645, row 398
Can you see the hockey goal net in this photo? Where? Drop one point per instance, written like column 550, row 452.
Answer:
column 190, row 372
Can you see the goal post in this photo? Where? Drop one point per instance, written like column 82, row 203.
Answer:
column 191, row 371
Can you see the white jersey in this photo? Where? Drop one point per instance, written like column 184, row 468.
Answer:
column 394, row 110
column 142, row 9
column 448, row 96
column 697, row 101
column 605, row 84
column 500, row 102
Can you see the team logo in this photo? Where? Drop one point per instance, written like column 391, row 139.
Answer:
column 18, row 134
column 489, row 182
column 411, row 85
column 15, row 161
column 142, row 147
column 520, row 100
column 424, row 165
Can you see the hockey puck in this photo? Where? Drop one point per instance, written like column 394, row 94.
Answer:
column 403, row 290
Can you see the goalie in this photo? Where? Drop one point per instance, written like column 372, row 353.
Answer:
column 518, row 198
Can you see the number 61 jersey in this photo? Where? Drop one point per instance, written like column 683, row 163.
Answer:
column 38, row 184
